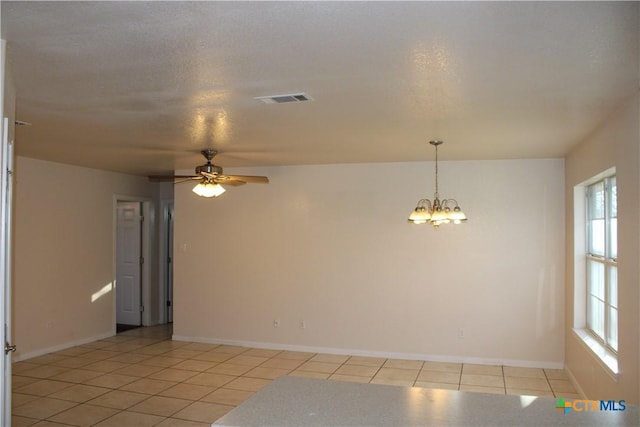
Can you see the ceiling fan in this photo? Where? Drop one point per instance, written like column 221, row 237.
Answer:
column 210, row 177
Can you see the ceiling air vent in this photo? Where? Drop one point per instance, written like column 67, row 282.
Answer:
column 280, row 99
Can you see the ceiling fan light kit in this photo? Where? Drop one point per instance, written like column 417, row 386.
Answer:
column 208, row 189
column 210, row 177
column 438, row 212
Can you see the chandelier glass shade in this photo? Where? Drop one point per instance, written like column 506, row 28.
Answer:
column 207, row 188
column 439, row 211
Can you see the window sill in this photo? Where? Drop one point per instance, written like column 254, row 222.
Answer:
column 606, row 358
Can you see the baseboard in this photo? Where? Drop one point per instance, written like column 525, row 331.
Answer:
column 365, row 353
column 575, row 383
column 64, row 346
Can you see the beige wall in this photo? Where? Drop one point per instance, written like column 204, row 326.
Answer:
column 616, row 143
column 331, row 245
column 64, row 252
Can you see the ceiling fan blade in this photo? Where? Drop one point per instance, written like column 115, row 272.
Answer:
column 223, row 179
column 247, row 178
column 169, row 178
column 191, row 178
column 233, row 183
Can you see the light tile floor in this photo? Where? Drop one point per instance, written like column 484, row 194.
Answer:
column 142, row 378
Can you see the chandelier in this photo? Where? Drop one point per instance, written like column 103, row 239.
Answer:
column 438, row 212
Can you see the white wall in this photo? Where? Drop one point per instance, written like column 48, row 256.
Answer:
column 64, row 252
column 331, row 245
column 615, row 143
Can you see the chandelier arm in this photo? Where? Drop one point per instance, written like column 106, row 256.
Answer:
column 423, row 202
column 445, row 202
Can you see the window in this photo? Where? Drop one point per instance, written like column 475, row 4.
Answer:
column 601, row 262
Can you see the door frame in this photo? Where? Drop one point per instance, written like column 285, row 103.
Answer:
column 147, row 242
column 166, row 206
column 6, row 225
column 7, row 135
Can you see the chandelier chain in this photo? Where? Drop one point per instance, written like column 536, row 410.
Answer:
column 437, row 195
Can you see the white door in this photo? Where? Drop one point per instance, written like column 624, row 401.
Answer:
column 6, row 188
column 128, row 263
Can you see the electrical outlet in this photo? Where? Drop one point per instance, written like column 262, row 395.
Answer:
column 303, row 324
column 460, row 333
column 276, row 323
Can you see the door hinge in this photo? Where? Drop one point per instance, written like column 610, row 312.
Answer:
column 8, row 348
column 169, row 259
column 168, row 303
column 141, row 218
column 141, row 308
column 141, row 260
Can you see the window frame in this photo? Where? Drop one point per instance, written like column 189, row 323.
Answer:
column 608, row 262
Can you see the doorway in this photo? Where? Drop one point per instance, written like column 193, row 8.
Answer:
column 137, row 288
column 166, row 262
column 129, row 261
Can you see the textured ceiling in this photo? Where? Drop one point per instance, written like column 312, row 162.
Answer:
column 141, row 87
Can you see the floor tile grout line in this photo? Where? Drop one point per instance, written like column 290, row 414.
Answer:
column 193, row 354
column 549, row 382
